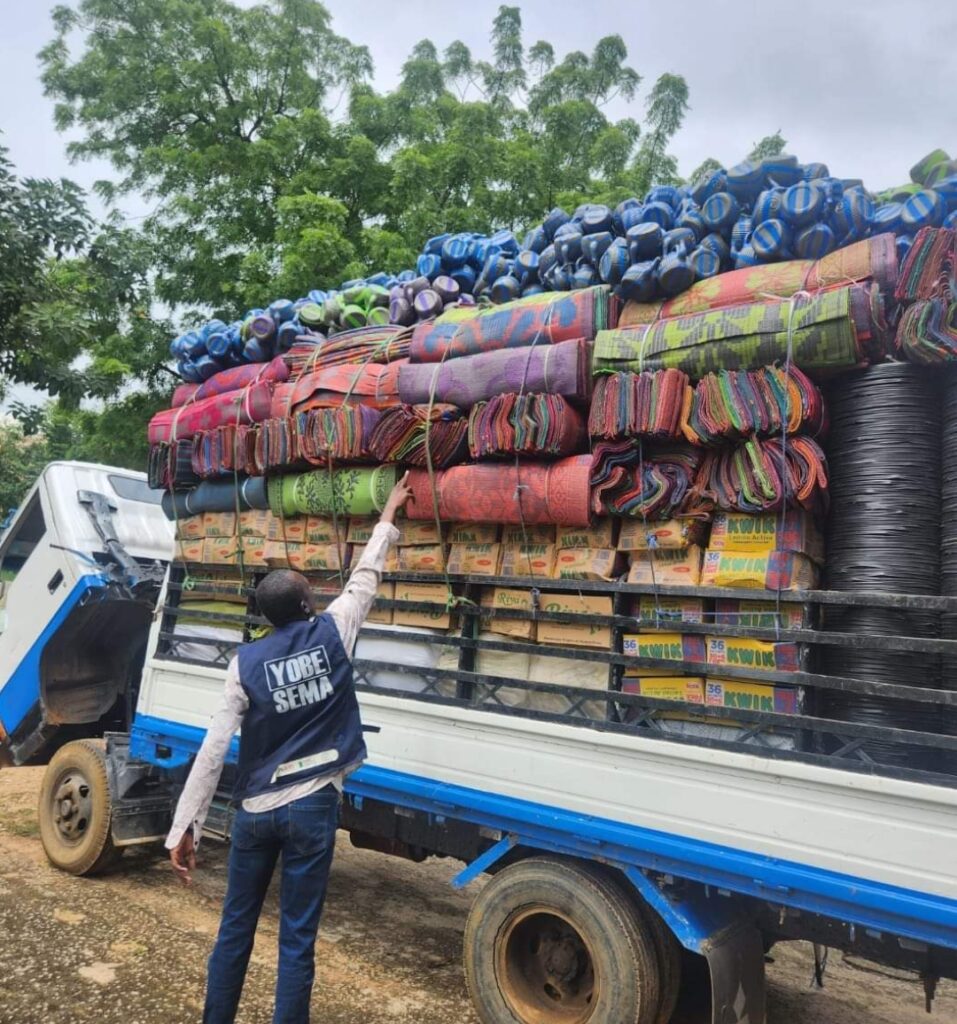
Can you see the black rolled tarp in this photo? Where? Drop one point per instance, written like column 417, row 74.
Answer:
column 217, row 496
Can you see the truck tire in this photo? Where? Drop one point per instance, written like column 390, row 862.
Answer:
column 75, row 810
column 550, row 941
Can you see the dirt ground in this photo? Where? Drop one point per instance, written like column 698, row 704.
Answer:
column 130, row 948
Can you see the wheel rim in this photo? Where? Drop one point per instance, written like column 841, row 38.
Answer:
column 71, row 806
column 545, row 968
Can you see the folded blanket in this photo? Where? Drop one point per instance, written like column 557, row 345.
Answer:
column 346, row 492
column 927, row 332
column 536, row 319
column 235, row 408
column 532, row 493
column 874, row 258
column 736, row 404
column 526, row 425
column 825, row 331
column 630, row 404
column 217, row 496
column 929, row 267
column 764, row 476
column 560, row 369
column 226, row 449
column 646, row 481
column 372, row 384
column 400, row 435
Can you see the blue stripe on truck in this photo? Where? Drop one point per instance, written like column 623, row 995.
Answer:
column 21, row 692
column 898, row 911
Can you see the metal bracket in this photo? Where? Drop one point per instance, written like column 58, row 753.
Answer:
column 484, row 861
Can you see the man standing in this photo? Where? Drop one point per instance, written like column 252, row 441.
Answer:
column 293, row 694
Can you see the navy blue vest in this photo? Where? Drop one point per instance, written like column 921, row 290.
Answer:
column 303, row 717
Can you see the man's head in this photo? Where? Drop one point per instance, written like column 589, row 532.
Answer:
column 285, row 596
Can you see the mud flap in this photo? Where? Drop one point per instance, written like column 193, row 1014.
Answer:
column 736, row 962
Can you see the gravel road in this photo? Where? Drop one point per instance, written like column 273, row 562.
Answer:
column 130, row 948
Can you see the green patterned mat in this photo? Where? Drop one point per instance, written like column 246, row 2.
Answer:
column 346, row 492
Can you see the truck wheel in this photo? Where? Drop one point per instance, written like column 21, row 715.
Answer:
column 549, row 941
column 76, row 809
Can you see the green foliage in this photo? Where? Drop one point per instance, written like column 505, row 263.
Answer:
column 770, row 145
column 22, row 457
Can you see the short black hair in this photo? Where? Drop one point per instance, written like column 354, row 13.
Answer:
column 280, row 596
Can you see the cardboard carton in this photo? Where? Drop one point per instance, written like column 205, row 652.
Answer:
column 255, row 523
column 292, row 529
column 793, row 530
column 513, row 533
column 667, row 646
column 219, row 524
column 742, row 652
column 669, row 534
column 422, row 558
column 254, row 553
column 221, row 550
column 415, row 532
column 671, row 567
column 509, row 599
column 314, row 557
column 665, row 613
column 436, row 617
column 191, row 528
column 378, row 615
column 475, row 559
column 689, row 689
column 391, row 559
column 473, row 533
column 575, row 634
column 189, row 551
column 360, row 530
column 601, row 535
column 588, row 564
column 322, row 530
column 528, row 559
column 731, row 693
column 760, row 614
column 772, row 570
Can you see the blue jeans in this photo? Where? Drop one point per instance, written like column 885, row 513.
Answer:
column 304, row 832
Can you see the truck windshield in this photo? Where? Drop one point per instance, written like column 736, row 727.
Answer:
column 134, row 490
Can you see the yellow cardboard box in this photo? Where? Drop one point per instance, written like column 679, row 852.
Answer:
column 528, row 559
column 221, row 550
column 391, row 559
column 254, row 551
column 419, row 532
column 378, row 615
column 475, row 559
column 219, row 524
column 315, row 557
column 743, row 652
column 509, row 599
column 360, row 529
column 292, row 530
column 760, row 614
column 588, row 564
column 733, row 693
column 671, row 567
column 189, row 550
column 667, row 646
column 422, row 558
column 771, row 570
column 666, row 612
column 690, row 689
column 669, row 534
column 575, row 634
column 513, row 533
column 437, row 617
column 322, row 530
column 794, row 530
column 601, row 535
column 473, row 533
column 191, row 528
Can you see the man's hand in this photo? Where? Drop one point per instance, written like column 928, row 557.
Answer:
column 397, row 500
column 183, row 858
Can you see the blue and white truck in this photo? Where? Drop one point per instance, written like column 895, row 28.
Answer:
column 617, row 844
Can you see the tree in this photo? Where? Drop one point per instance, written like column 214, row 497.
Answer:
column 22, row 457
column 770, row 145
column 667, row 105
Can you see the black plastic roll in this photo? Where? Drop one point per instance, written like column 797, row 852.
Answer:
column 217, row 496
column 884, row 456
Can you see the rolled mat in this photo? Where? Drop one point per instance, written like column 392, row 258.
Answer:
column 874, row 258
column 376, row 344
column 224, row 450
column 238, row 377
column 526, row 425
column 560, row 369
column 927, row 332
column 351, row 492
column 540, row 319
column 764, row 476
column 826, row 331
column 217, row 496
column 646, row 481
column 631, row 404
column 170, row 466
column 532, row 493
column 928, row 270
column 237, row 408
column 343, row 434
column 372, row 384
column 400, row 435
column 184, row 393
column 736, row 404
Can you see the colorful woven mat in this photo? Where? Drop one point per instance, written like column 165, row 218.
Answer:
column 238, row 377
column 400, row 435
column 170, row 466
column 560, row 369
column 826, row 331
column 531, row 493
column 536, row 319
column 874, row 258
column 736, row 404
column 764, row 476
column 928, row 270
column 927, row 332
column 352, row 492
column 646, row 481
column 372, row 384
column 375, row 344
column 630, row 404
column 238, row 408
column 228, row 449
column 526, row 425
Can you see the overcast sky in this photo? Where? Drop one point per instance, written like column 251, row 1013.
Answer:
column 866, row 86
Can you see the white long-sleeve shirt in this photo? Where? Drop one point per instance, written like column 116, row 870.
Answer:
column 348, row 611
